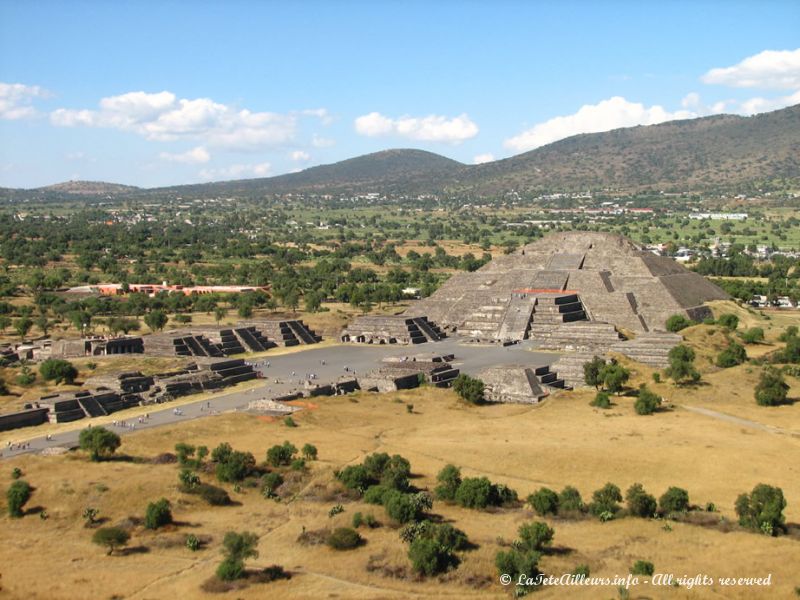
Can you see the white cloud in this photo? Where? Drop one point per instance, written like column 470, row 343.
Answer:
column 321, row 113
column 163, row 117
column 433, row 128
column 300, row 155
column 322, row 142
column 483, row 158
column 16, row 100
column 774, row 69
column 190, row 157
column 758, row 105
column 606, row 115
column 236, row 172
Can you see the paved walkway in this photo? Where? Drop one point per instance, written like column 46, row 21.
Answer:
column 285, row 373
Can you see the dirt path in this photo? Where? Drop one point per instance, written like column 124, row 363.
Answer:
column 739, row 421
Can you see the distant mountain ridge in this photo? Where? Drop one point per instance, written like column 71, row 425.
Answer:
column 722, row 151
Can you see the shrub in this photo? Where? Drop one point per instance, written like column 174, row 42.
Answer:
column 592, row 371
column 395, row 473
column 791, row 353
column 221, row 452
column 158, row 514
column 375, row 494
column 344, row 538
column 762, row 509
column 358, row 520
column 335, row 510
column 647, row 402
column 354, row 477
column 270, row 483
column 99, row 442
column 26, row 376
column 681, row 365
column 614, row 377
column 728, row 321
column 298, row 464
column 58, row 370
column 282, row 454
column 401, row 507
column 111, row 537
column 192, row 542
column 677, row 322
column 428, row 557
column 236, row 466
column 289, row 422
column 642, row 567
column 601, row 400
column 474, row 492
column 16, row 473
column 544, row 501
column 534, row 536
column 188, row 479
column 753, row 335
column 212, row 494
column 237, row 547
column 449, row 479
column 570, row 500
column 309, row 452
column 18, row 493
column 605, row 500
column 674, row 500
column 788, row 333
column 733, row 355
column 581, row 571
column 771, row 388
column 656, row 377
column 90, row 515
column 515, row 563
column 640, row 503
column 469, row 388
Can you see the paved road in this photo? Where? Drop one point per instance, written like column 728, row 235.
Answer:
column 286, row 373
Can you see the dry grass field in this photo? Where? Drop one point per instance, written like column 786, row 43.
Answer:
column 562, row 441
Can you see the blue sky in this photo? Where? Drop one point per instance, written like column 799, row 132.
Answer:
column 160, row 93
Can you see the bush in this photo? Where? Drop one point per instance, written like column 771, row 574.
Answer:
column 158, row 514
column 771, row 389
column 270, row 483
column 236, row 466
column 344, row 538
column 16, row 473
column 647, row 402
column 605, row 500
column 335, row 510
column 570, row 500
column 677, row 322
column 358, row 520
column 791, row 353
column 221, row 452
column 656, row 377
column 375, row 494
column 237, row 547
column 58, row 370
column 188, row 479
column 298, row 464
column 640, row 503
column 733, row 355
column 515, row 563
column 762, row 509
column 642, row 567
column 212, row 494
column 544, row 501
column 681, row 365
column 282, row 454
column 614, row 377
column 309, row 452
column 395, row 473
column 592, row 371
column 601, row 400
column 474, row 492
column 728, row 321
column 581, row 571
column 674, row 500
column 192, row 542
column 354, row 477
column 534, row 536
column 18, row 493
column 449, row 479
column 753, row 335
column 401, row 507
column 430, row 558
column 289, row 422
column 99, row 442
column 788, row 333
column 469, row 388
column 111, row 538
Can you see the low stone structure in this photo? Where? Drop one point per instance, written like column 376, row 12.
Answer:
column 379, row 329
column 395, row 375
column 512, row 384
column 72, row 406
column 96, row 346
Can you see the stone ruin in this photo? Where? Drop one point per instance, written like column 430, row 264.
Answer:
column 391, row 329
column 404, row 373
column 519, row 384
column 572, row 290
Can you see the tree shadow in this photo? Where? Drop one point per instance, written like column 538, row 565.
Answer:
column 133, row 550
column 557, row 551
column 34, row 510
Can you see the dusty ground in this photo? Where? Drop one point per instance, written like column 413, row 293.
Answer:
column 563, row 441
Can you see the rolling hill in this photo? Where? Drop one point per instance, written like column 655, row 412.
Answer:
column 718, row 152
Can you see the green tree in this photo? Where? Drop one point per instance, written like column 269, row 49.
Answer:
column 639, row 502
column 535, row 536
column 18, row 493
column 615, row 376
column 236, row 548
column 569, row 500
column 605, row 500
column 647, row 402
column 219, row 314
column 58, row 370
column 681, row 365
column 309, row 452
column 753, row 335
column 592, row 371
column 281, row 454
column 771, row 389
column 733, row 355
column 22, row 326
column 728, row 321
column 156, row 320
column 475, row 492
column 428, row 557
column 762, row 509
column 544, row 501
column 158, row 514
column 344, row 538
column 674, row 500
column 601, row 400
column 677, row 322
column 99, row 442
column 449, row 479
column 111, row 537
column 469, row 388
